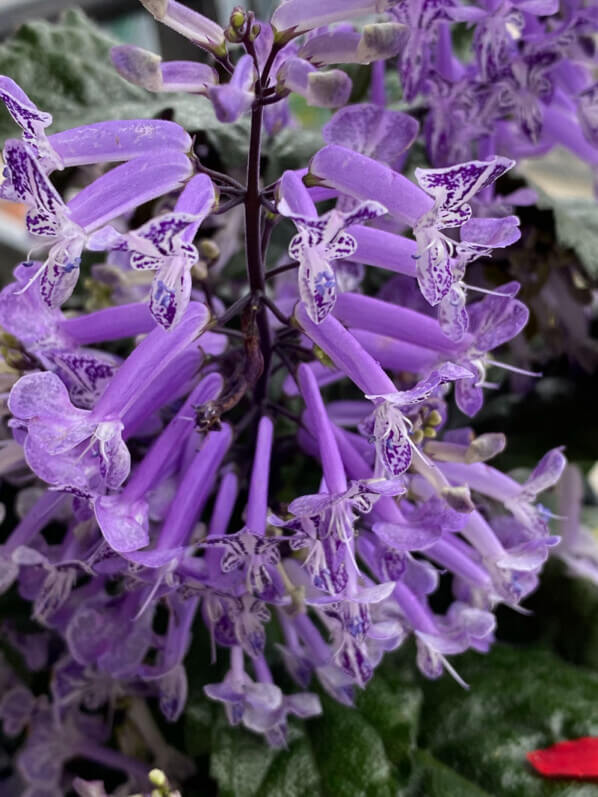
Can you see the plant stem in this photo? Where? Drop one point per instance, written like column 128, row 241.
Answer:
column 253, row 244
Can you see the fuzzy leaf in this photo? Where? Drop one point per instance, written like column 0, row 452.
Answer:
column 519, row 700
column 65, row 69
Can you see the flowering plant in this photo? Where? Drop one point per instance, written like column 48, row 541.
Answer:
column 333, row 318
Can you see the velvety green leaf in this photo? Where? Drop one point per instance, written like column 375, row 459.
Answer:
column 576, row 226
column 240, row 760
column 519, row 700
column 65, row 68
column 434, row 779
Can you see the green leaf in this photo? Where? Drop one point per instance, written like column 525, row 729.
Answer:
column 360, row 752
column 576, row 225
column 519, row 700
column 66, row 70
column 434, row 779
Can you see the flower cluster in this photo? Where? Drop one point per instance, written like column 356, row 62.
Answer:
column 156, row 457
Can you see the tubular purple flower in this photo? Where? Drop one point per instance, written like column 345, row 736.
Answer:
column 364, row 178
column 123, row 519
column 402, row 323
column 298, row 16
column 110, row 323
column 396, row 355
column 194, row 490
column 329, row 89
column 232, row 99
column 332, row 464
column 83, row 450
column 375, row 42
column 224, row 504
column 144, row 68
column 318, row 242
column 257, row 504
column 199, row 29
column 517, row 498
column 66, row 228
column 346, row 353
column 114, row 141
column 384, row 249
column 150, row 358
column 164, row 245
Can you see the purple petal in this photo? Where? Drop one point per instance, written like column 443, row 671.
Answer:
column 317, row 286
column 492, row 233
column 434, row 273
column 402, row 537
column 452, row 315
column 343, row 245
column 34, row 394
column 127, row 186
column 172, row 691
column 26, row 114
column 86, row 635
column 125, row 526
column 234, row 98
column 311, row 505
column 452, row 186
column 546, row 473
column 113, row 141
column 373, row 131
column 395, row 451
column 168, row 302
column 469, row 397
column 59, row 278
column 294, row 199
column 497, row 319
column 29, row 182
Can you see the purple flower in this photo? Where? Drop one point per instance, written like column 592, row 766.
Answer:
column 319, row 241
column 420, row 18
column 394, row 448
column 493, row 321
column 293, row 17
column 372, row 131
column 451, row 188
column 65, row 445
column 578, row 547
column 199, row 29
column 65, row 229
column 235, row 97
column 165, row 245
column 144, row 68
column 31, row 120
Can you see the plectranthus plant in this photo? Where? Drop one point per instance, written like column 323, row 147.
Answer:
column 146, row 437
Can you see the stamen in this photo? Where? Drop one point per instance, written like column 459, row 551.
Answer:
column 513, row 368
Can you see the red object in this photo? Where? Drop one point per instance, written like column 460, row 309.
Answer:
column 577, row 758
